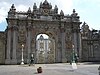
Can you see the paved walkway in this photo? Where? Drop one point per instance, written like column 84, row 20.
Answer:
column 49, row 69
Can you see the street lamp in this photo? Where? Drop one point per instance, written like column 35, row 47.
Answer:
column 22, row 60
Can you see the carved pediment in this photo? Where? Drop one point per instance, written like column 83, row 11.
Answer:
column 46, row 5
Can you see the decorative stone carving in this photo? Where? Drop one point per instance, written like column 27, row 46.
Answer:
column 75, row 16
column 43, row 20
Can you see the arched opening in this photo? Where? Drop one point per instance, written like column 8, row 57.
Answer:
column 45, row 49
column 44, row 36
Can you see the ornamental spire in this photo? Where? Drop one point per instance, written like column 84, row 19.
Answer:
column 12, row 9
column 34, row 6
column 29, row 10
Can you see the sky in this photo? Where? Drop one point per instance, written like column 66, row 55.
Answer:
column 88, row 10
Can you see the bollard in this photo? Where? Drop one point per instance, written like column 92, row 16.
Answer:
column 39, row 70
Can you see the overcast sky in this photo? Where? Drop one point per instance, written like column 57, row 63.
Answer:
column 88, row 10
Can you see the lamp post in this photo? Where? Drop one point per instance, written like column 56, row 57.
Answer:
column 22, row 60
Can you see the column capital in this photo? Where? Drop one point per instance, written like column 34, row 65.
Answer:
column 9, row 27
column 62, row 30
column 75, row 30
column 15, row 27
column 29, row 27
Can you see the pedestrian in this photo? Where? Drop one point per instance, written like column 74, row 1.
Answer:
column 99, row 70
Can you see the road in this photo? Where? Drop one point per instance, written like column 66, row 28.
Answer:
column 50, row 69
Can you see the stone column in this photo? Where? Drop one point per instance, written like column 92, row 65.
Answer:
column 8, row 59
column 63, row 45
column 80, row 47
column 34, row 49
column 53, row 49
column 92, row 52
column 59, row 52
column 14, row 60
column 29, row 43
column 75, row 41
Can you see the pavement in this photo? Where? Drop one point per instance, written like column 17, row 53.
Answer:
column 50, row 69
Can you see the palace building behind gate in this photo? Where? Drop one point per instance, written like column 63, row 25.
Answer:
column 62, row 30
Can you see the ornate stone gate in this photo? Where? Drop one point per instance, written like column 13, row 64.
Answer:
column 23, row 28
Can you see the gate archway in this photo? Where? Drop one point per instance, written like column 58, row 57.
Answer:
column 45, row 50
column 23, row 28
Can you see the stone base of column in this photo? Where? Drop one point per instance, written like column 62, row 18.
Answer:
column 64, row 60
column 7, row 61
column 28, row 61
column 58, row 60
column 80, row 60
column 14, row 61
column 58, row 57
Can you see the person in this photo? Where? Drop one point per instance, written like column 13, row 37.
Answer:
column 31, row 60
column 99, row 70
column 76, row 58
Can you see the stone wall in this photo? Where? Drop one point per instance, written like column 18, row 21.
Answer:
column 2, row 48
column 90, row 44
